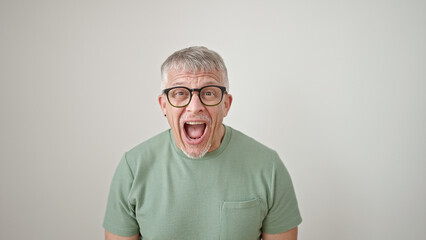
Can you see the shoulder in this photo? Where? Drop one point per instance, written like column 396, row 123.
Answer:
column 153, row 142
column 149, row 149
column 247, row 141
column 250, row 148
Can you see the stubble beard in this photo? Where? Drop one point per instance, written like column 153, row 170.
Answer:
column 199, row 155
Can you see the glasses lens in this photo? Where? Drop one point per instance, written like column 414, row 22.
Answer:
column 179, row 96
column 211, row 95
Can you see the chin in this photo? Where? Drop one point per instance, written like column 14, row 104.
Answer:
column 197, row 153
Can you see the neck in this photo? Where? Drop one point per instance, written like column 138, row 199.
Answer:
column 220, row 136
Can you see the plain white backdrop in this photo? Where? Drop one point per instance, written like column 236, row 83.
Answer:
column 336, row 87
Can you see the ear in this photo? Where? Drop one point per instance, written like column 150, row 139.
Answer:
column 163, row 103
column 227, row 104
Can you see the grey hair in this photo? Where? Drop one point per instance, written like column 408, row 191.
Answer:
column 194, row 59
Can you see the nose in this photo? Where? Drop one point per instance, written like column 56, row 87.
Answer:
column 195, row 106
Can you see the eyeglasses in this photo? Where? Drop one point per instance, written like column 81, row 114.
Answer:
column 210, row 95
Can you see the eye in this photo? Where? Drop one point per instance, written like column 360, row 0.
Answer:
column 179, row 93
column 209, row 93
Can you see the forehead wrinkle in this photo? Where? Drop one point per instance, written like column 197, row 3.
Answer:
column 173, row 75
column 204, row 79
column 195, row 74
column 182, row 83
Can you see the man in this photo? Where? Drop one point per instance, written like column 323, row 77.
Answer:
column 201, row 179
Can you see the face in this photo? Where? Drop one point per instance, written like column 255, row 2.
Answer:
column 197, row 129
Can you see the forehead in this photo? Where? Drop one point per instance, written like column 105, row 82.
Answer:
column 188, row 78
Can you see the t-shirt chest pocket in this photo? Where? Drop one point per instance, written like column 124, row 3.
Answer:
column 240, row 220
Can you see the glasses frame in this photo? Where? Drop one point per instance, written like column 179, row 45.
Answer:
column 222, row 88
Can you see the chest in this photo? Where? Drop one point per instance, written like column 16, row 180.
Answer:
column 199, row 202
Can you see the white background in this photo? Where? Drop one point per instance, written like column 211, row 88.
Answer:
column 336, row 87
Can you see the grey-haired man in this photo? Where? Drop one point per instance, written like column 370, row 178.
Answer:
column 200, row 179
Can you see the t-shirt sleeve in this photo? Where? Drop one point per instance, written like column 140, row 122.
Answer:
column 283, row 213
column 120, row 218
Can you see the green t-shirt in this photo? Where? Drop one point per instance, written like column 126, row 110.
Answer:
column 235, row 192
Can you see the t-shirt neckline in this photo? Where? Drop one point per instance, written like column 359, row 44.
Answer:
column 210, row 155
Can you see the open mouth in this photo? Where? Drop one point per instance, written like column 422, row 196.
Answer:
column 195, row 130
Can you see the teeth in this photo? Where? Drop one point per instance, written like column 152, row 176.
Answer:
column 194, row 123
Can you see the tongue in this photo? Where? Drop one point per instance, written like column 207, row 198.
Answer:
column 195, row 131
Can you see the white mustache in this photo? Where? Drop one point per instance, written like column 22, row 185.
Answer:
column 184, row 119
